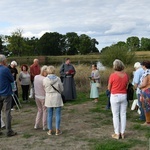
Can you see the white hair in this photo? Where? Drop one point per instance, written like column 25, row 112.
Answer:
column 2, row 58
column 14, row 63
column 137, row 65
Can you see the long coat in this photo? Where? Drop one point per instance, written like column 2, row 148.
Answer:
column 52, row 97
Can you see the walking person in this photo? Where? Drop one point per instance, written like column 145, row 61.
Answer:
column 136, row 82
column 117, row 85
column 24, row 78
column 145, row 90
column 95, row 82
column 6, row 94
column 53, row 100
column 34, row 70
column 67, row 73
column 40, row 99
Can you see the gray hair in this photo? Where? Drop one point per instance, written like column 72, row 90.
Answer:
column 118, row 65
column 14, row 63
column 44, row 68
column 50, row 69
column 2, row 58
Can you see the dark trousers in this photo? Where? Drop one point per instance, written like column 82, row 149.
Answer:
column 25, row 92
column 5, row 101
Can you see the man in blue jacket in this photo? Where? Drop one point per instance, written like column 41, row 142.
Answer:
column 6, row 79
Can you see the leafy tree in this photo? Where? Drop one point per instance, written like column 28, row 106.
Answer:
column 93, row 46
column 51, row 44
column 85, row 44
column 117, row 52
column 72, row 43
column 133, row 43
column 16, row 42
column 145, row 44
column 1, row 44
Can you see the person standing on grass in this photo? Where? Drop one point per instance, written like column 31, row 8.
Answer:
column 34, row 70
column 145, row 90
column 67, row 72
column 53, row 100
column 117, row 85
column 95, row 81
column 24, row 78
column 40, row 99
column 14, row 72
column 6, row 79
column 136, row 82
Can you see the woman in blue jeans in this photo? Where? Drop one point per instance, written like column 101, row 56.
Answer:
column 53, row 100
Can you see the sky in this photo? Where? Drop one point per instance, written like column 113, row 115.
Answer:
column 108, row 21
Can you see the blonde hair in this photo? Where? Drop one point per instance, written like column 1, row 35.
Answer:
column 50, row 69
column 118, row 65
column 44, row 68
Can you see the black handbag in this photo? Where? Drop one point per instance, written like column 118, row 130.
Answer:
column 62, row 96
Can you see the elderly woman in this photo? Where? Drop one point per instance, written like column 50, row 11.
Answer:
column 117, row 85
column 145, row 90
column 53, row 100
column 40, row 98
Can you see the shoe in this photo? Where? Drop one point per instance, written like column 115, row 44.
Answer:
column 58, row 132
column 122, row 136
column 49, row 132
column 115, row 136
column 144, row 124
column 12, row 133
column 3, row 127
column 44, row 129
column 30, row 96
column 12, row 109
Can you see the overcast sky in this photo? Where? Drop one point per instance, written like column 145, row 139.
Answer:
column 108, row 21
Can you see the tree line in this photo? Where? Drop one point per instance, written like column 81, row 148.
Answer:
column 54, row 43
column 50, row 43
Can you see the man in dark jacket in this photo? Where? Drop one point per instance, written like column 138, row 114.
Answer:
column 6, row 79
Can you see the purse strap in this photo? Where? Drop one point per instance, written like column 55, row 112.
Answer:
column 55, row 89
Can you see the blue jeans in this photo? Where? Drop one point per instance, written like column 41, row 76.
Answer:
column 142, row 115
column 50, row 111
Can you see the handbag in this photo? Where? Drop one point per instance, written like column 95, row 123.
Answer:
column 98, row 85
column 62, row 96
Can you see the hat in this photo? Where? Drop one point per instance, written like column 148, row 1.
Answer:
column 137, row 65
column 14, row 63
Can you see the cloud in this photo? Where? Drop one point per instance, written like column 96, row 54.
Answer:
column 105, row 20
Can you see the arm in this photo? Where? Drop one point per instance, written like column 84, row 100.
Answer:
column 144, row 83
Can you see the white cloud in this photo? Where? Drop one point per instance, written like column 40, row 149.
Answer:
column 105, row 20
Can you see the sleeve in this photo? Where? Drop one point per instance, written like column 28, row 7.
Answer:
column 62, row 73
column 97, row 75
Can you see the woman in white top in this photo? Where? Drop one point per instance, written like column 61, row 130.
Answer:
column 53, row 99
column 95, row 82
column 24, row 78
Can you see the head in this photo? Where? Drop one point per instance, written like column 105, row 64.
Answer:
column 24, row 68
column 44, row 71
column 118, row 65
column 3, row 60
column 137, row 65
column 50, row 70
column 36, row 61
column 67, row 61
column 13, row 64
column 145, row 64
column 94, row 67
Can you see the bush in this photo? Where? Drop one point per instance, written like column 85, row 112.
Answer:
column 117, row 52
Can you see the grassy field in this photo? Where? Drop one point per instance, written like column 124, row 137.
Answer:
column 85, row 126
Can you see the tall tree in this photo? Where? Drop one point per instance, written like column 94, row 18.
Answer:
column 16, row 42
column 145, row 44
column 133, row 43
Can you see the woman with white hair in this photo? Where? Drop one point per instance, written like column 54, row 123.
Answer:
column 53, row 100
column 117, row 85
column 14, row 72
column 40, row 98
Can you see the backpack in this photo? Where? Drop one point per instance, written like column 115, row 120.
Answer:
column 130, row 92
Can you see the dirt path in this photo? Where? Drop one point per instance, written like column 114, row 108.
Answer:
column 79, row 126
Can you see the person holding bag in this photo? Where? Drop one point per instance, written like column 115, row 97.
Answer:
column 53, row 100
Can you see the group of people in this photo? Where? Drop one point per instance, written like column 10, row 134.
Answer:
column 46, row 88
column 117, row 87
